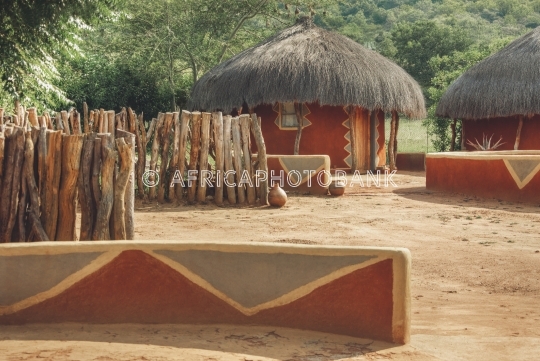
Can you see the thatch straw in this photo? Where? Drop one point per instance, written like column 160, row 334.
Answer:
column 308, row 64
column 505, row 84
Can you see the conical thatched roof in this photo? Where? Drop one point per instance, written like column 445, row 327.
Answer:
column 506, row 83
column 308, row 64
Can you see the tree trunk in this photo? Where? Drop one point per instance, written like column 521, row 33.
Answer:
column 518, row 133
column 217, row 121
column 108, row 159
column 203, row 159
column 261, row 156
column 453, row 140
column 53, row 170
column 353, row 135
column 246, row 150
column 391, row 141
column 71, row 161
column 299, row 119
column 237, row 159
column 227, row 150
column 194, row 154
column 88, row 210
column 166, row 141
column 154, row 155
column 14, row 156
column 120, row 186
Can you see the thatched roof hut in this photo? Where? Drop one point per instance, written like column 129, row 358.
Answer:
column 505, row 84
column 311, row 84
column 308, row 64
column 499, row 96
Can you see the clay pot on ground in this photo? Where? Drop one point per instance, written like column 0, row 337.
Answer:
column 277, row 196
column 337, row 188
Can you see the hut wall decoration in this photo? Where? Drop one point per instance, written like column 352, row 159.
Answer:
column 499, row 97
column 317, row 93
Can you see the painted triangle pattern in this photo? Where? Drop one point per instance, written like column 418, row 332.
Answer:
column 347, row 124
column 522, row 170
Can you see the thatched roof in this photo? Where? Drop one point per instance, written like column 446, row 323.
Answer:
column 505, row 84
column 305, row 63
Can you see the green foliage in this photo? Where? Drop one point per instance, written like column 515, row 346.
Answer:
column 32, row 36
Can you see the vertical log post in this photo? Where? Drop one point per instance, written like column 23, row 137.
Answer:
column 463, row 141
column 88, row 210
column 110, row 123
column 96, row 172
column 71, row 161
column 33, row 117
column 184, row 130
column 453, row 139
column 353, row 135
column 245, row 129
column 14, row 156
column 217, row 121
column 299, row 120
column 203, row 159
column 391, row 151
column 140, row 140
column 53, row 169
column 396, row 138
column 237, row 159
column 119, row 209
column 76, row 122
column 42, row 149
column 85, row 118
column 518, row 133
column 166, row 141
column 194, row 154
column 108, row 159
column 173, row 164
column 227, row 150
column 129, row 197
column 65, row 122
column 261, row 157
column 152, row 192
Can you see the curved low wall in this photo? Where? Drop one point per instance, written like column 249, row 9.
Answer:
column 505, row 175
column 308, row 166
column 362, row 292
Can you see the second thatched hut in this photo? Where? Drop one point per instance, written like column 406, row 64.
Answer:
column 317, row 92
column 499, row 97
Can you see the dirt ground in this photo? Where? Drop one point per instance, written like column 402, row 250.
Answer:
column 475, row 280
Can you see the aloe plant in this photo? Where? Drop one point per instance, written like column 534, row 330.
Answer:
column 486, row 143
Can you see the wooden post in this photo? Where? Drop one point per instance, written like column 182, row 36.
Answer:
column 203, row 159
column 1, row 116
column 65, row 122
column 85, row 118
column 53, row 169
column 129, row 197
column 2, row 146
column 173, row 164
column 391, row 140
column 299, row 119
column 217, row 121
column 103, row 122
column 155, row 153
column 453, row 139
column 184, row 130
column 140, row 140
column 33, row 117
column 22, row 207
column 237, row 159
column 396, row 138
column 110, row 123
column 76, row 122
column 108, row 159
column 96, row 171
column 245, row 129
column 261, row 157
column 119, row 210
column 194, row 154
column 227, row 150
column 518, row 133
column 353, row 137
column 88, row 210
column 463, row 141
column 71, row 161
column 33, row 215
column 14, row 156
column 151, row 129
column 166, row 141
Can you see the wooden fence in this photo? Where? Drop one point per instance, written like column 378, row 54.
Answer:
column 47, row 164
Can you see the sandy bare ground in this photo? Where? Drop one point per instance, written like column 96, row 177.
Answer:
column 475, row 285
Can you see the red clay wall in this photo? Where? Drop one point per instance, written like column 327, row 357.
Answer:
column 325, row 135
column 507, row 128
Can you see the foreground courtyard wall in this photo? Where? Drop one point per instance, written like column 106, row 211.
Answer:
column 362, row 292
column 504, row 175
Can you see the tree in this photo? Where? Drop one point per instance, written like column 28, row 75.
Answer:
column 32, row 35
